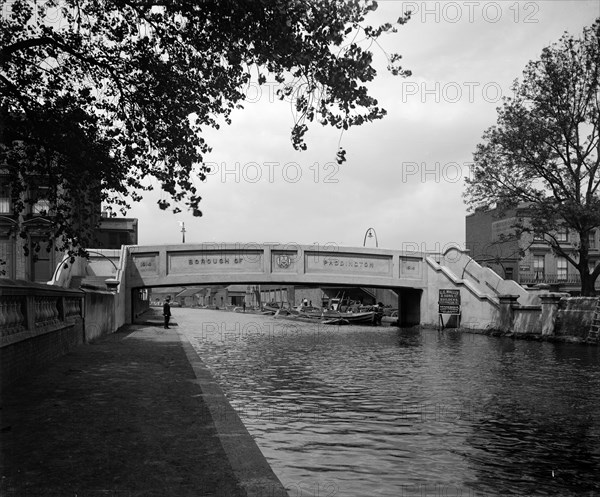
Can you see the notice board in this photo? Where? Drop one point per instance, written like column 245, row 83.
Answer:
column 449, row 302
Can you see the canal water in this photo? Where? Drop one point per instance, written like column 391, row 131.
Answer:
column 363, row 411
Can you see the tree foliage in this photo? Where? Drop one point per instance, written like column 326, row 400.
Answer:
column 544, row 150
column 99, row 96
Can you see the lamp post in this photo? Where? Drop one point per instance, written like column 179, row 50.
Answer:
column 182, row 224
column 370, row 233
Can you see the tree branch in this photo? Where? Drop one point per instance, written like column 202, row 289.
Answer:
column 6, row 52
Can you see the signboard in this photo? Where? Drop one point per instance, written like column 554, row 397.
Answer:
column 449, row 302
column 216, row 261
column 344, row 263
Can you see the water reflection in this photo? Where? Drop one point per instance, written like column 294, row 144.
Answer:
column 355, row 411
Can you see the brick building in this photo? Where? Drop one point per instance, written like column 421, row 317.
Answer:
column 491, row 241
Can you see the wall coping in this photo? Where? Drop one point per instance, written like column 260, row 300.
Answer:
column 21, row 287
column 529, row 307
column 95, row 291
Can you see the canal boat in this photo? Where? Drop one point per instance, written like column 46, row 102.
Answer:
column 331, row 315
column 275, row 307
column 362, row 318
column 368, row 317
column 337, row 321
column 306, row 311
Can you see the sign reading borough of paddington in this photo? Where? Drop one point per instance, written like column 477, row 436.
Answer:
column 209, row 261
column 319, row 262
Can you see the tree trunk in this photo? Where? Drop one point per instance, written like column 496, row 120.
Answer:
column 587, row 283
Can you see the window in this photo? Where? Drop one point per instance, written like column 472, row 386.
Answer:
column 562, row 235
column 42, row 204
column 508, row 273
column 538, row 236
column 5, row 203
column 7, row 261
column 42, row 267
column 592, row 239
column 41, row 207
column 539, row 267
column 561, row 269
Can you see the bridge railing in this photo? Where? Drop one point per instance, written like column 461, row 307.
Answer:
column 38, row 323
column 28, row 309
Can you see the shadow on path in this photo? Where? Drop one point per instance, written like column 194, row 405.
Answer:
column 122, row 416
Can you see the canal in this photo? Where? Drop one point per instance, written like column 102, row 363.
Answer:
column 363, row 411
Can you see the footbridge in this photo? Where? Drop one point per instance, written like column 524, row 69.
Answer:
column 416, row 277
column 180, row 265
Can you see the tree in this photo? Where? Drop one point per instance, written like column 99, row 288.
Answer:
column 543, row 153
column 97, row 97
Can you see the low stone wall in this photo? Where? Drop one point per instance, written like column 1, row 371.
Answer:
column 558, row 316
column 38, row 323
column 21, row 358
column 99, row 313
column 574, row 317
column 527, row 319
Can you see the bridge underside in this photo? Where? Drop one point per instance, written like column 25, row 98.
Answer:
column 409, row 306
column 408, row 300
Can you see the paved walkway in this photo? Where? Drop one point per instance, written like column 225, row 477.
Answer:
column 131, row 414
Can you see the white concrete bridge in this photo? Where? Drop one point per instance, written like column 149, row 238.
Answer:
column 181, row 265
column 415, row 276
column 185, row 265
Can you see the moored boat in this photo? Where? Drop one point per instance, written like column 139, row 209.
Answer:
column 368, row 317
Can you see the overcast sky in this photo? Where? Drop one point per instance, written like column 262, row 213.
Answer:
column 403, row 174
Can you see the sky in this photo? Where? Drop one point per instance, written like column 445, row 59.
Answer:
column 404, row 174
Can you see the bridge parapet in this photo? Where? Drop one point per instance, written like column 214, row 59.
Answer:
column 207, row 263
column 414, row 276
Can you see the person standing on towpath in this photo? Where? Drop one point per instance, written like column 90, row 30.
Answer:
column 167, row 311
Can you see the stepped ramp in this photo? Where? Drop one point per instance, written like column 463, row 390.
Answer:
column 483, row 279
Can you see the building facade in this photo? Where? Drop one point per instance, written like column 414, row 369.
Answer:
column 526, row 258
column 33, row 257
column 113, row 232
column 41, row 262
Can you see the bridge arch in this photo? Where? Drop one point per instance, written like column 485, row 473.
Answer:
column 268, row 264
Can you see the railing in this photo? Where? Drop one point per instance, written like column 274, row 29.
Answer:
column 27, row 309
column 12, row 317
column 46, row 311
column 532, row 278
